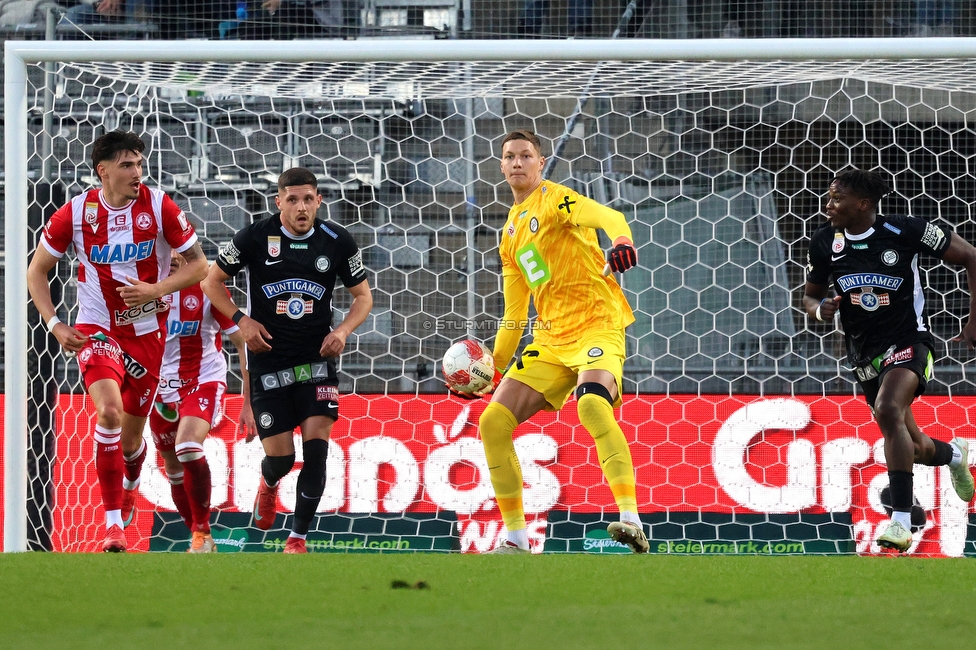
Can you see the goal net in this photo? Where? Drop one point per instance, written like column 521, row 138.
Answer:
column 746, row 431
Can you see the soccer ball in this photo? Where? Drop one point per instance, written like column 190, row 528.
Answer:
column 468, row 366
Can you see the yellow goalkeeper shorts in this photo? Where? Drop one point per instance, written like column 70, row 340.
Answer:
column 554, row 370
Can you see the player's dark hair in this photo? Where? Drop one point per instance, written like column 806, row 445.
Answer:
column 523, row 134
column 865, row 184
column 113, row 143
column 297, row 176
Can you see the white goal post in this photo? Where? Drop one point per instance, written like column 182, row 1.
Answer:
column 447, row 68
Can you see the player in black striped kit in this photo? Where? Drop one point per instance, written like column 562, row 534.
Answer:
column 293, row 261
column 872, row 262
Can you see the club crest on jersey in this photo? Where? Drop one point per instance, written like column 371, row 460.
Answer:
column 191, row 302
column 144, row 221
column 274, row 246
column 534, row 224
column 838, row 244
column 889, row 257
column 91, row 215
column 322, row 264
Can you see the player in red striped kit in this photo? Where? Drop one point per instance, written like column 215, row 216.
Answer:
column 188, row 405
column 123, row 234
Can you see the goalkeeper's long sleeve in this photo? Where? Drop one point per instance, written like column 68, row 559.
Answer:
column 610, row 221
column 517, row 295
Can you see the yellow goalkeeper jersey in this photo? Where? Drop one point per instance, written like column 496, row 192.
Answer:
column 560, row 262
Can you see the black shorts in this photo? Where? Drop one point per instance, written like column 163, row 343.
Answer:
column 281, row 409
column 918, row 358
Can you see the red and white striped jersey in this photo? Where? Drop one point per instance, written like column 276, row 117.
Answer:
column 193, row 344
column 112, row 243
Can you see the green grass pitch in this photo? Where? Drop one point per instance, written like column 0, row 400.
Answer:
column 557, row 602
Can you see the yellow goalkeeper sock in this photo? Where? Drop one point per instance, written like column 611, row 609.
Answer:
column 596, row 415
column 496, row 427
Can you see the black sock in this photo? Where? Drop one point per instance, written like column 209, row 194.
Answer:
column 273, row 468
column 902, row 498
column 943, row 453
column 311, row 483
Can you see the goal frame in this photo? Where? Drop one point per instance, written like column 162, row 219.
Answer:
column 18, row 54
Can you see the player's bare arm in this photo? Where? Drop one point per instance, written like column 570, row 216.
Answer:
column 362, row 302
column 815, row 298
column 963, row 253
column 195, row 270
column 40, row 291
column 256, row 337
column 246, row 422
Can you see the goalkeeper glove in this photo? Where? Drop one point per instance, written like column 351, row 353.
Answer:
column 622, row 256
column 478, row 395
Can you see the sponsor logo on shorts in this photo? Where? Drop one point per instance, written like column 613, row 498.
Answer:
column 265, row 420
column 298, row 374
column 326, row 394
column 901, row 356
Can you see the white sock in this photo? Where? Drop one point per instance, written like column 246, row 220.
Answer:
column 113, row 518
column 903, row 518
column 131, row 485
column 956, row 456
column 631, row 518
column 296, row 535
column 519, row 537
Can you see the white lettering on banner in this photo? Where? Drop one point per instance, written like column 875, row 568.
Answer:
column 437, row 477
column 457, row 427
column 484, row 536
column 365, row 458
column 155, row 486
column 732, row 441
column 837, row 483
column 849, row 468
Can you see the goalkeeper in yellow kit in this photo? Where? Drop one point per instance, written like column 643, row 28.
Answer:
column 550, row 252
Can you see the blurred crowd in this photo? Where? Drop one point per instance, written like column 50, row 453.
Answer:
column 289, row 19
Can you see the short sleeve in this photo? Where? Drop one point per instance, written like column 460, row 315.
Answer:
column 818, row 257
column 58, row 232
column 177, row 229
column 349, row 262
column 232, row 256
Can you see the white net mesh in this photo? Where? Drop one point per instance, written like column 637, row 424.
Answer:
column 719, row 167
